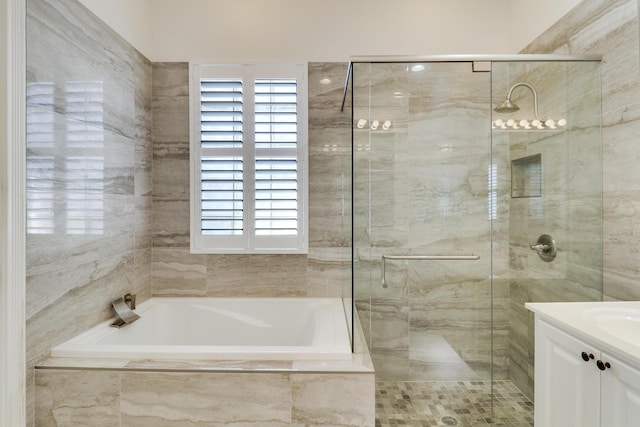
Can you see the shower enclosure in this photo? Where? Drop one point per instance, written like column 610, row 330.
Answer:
column 476, row 188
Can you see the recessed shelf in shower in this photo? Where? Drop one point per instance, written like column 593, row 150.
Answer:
column 526, row 177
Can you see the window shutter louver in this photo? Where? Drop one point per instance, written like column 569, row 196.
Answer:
column 221, row 131
column 276, row 117
column 221, row 113
column 276, row 113
column 221, row 196
column 276, row 196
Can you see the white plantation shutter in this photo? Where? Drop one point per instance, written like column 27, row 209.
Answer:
column 276, row 196
column 248, row 159
column 221, row 195
column 276, row 125
column 221, row 163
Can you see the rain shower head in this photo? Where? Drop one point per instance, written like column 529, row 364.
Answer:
column 507, row 107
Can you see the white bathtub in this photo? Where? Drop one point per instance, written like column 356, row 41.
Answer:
column 222, row 329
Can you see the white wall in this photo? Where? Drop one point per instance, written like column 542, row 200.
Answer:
column 131, row 19
column 328, row 30
column 530, row 18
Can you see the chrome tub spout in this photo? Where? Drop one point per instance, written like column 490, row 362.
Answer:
column 124, row 307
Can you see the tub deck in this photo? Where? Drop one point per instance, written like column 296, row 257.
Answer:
column 174, row 392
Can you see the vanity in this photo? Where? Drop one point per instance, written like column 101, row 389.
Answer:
column 587, row 364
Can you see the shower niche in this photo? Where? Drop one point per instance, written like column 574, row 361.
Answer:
column 453, row 196
column 526, row 176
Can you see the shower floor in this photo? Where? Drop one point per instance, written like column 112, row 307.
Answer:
column 451, row 403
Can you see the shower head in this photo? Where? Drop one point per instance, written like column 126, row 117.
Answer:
column 507, row 107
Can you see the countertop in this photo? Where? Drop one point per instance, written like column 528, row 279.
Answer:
column 609, row 325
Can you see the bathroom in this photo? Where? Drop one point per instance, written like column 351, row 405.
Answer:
column 144, row 246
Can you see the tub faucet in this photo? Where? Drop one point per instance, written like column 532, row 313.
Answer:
column 130, row 300
column 124, row 307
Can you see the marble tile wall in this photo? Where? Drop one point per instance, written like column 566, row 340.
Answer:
column 323, row 272
column 609, row 28
column 88, row 174
column 568, row 206
column 120, row 398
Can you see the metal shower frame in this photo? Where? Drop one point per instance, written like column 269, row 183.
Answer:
column 479, row 59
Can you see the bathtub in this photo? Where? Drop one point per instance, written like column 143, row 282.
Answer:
column 222, row 329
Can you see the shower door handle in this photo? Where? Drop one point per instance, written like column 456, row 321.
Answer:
column 383, row 280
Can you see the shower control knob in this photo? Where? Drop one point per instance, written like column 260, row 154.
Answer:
column 545, row 246
column 603, row 365
column 586, row 357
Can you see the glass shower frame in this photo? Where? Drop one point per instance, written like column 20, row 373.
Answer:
column 564, row 201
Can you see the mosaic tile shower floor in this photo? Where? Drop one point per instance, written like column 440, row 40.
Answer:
column 451, row 403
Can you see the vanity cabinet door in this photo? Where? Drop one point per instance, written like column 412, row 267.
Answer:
column 567, row 388
column 620, row 391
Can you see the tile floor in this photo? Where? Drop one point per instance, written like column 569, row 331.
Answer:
column 451, row 403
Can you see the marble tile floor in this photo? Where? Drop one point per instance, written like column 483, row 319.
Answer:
column 451, row 403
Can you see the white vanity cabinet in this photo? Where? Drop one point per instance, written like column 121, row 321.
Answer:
column 578, row 384
column 567, row 389
column 620, row 394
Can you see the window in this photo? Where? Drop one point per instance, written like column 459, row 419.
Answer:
column 248, row 159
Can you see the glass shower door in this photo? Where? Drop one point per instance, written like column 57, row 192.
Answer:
column 424, row 186
column 452, row 189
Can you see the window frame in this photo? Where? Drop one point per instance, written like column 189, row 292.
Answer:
column 248, row 242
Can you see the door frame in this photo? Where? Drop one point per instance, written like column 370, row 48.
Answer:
column 12, row 212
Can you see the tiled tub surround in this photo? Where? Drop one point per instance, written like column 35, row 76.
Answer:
column 88, row 171
column 89, row 187
column 90, row 144
column 119, row 393
column 134, row 392
column 323, row 272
